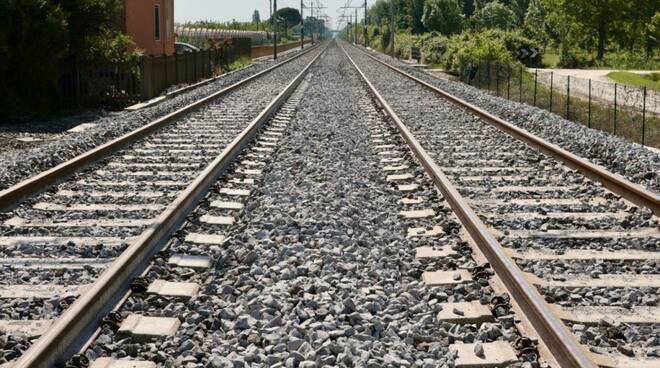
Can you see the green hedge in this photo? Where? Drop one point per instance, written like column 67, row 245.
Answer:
column 456, row 52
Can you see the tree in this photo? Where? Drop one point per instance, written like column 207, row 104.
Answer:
column 34, row 42
column 289, row 16
column 595, row 15
column 519, row 8
column 90, row 23
column 255, row 17
column 443, row 16
column 416, row 15
column 535, row 22
column 494, row 15
column 653, row 30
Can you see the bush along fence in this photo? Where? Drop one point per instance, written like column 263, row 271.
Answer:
column 629, row 112
column 118, row 85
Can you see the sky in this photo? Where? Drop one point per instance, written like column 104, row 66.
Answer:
column 241, row 10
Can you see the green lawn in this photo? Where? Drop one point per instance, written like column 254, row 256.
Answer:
column 651, row 81
column 550, row 59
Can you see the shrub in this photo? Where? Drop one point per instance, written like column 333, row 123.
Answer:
column 573, row 58
column 495, row 46
column 629, row 60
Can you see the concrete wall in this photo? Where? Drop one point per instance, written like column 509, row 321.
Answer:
column 141, row 25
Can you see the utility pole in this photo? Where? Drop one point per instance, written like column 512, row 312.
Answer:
column 355, row 32
column 392, row 25
column 275, row 30
column 317, row 7
column 349, row 26
column 366, row 24
column 302, row 26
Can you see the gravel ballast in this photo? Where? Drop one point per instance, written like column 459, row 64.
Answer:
column 318, row 270
column 638, row 164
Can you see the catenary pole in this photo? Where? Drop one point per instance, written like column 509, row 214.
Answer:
column 276, row 30
column 366, row 24
column 302, row 26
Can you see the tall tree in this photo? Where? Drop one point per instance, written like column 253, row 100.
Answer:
column 289, row 16
column 535, row 22
column 443, row 16
column 416, row 14
column 256, row 18
column 90, row 22
column 468, row 8
column 519, row 8
column 595, row 15
column 494, row 15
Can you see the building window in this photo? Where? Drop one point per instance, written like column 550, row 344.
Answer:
column 157, row 22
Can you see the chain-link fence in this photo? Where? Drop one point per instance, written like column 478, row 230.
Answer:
column 629, row 112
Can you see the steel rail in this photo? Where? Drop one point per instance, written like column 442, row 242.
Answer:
column 561, row 343
column 616, row 183
column 81, row 319
column 14, row 195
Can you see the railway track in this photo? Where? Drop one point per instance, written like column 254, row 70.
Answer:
column 308, row 273
column 331, row 221
column 567, row 247
column 69, row 253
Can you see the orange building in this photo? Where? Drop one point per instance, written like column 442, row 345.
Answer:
column 150, row 23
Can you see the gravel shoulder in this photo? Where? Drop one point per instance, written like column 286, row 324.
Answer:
column 21, row 160
column 636, row 163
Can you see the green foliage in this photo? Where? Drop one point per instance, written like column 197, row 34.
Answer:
column 494, row 15
column 443, row 16
column 289, row 16
column 471, row 48
column 520, row 8
column 653, row 30
column 574, row 58
column 615, row 33
column 36, row 41
column 38, row 38
column 628, row 60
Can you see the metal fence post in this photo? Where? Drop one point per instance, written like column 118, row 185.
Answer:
column 536, row 79
column 589, row 102
column 520, row 81
column 488, row 73
column 615, row 88
column 643, row 113
column 552, row 82
column 497, row 80
column 508, row 82
column 568, row 97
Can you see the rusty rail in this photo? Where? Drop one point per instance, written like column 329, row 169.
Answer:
column 616, row 183
column 79, row 320
column 561, row 343
column 14, row 195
